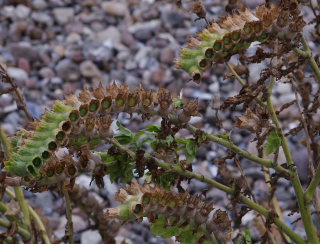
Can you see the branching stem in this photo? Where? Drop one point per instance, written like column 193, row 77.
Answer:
column 36, row 219
column 251, row 204
column 304, row 208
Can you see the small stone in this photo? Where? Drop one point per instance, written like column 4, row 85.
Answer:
column 167, row 56
column 127, row 39
column 25, row 51
column 18, row 74
column 46, row 73
column 89, row 69
column 91, row 236
column 111, row 33
column 42, row 18
column 24, row 64
column 63, row 15
column 68, row 70
column 73, row 37
column 39, row 4
column 22, row 11
column 158, row 76
column 115, row 8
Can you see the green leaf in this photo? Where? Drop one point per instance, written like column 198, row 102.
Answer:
column 137, row 136
column 191, row 150
column 122, row 170
column 153, row 128
column 124, row 130
column 123, row 139
column 247, row 237
column 273, row 143
column 166, row 179
column 146, row 139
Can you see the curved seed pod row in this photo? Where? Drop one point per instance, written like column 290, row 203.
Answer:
column 235, row 33
column 173, row 214
column 89, row 116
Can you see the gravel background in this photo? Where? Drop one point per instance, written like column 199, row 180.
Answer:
column 58, row 47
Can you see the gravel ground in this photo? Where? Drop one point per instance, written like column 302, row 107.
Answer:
column 58, row 47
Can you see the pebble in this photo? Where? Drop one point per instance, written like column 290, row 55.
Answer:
column 115, row 8
column 39, row 4
column 91, row 236
column 89, row 69
column 22, row 11
column 167, row 56
column 68, row 70
column 18, row 74
column 63, row 15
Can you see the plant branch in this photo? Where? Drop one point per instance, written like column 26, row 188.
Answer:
column 228, row 144
column 308, row 54
column 36, row 219
column 311, row 189
column 304, row 208
column 25, row 234
column 69, row 214
column 251, row 204
column 243, row 83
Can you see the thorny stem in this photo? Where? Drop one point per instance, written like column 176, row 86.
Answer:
column 69, row 214
column 36, row 219
column 304, row 208
column 251, row 204
column 228, row 144
column 308, row 54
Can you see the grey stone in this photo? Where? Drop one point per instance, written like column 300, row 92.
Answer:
column 167, row 56
column 42, row 17
column 22, row 11
column 18, row 74
column 89, row 69
column 39, row 4
column 91, row 236
column 67, row 70
column 63, row 15
column 111, row 33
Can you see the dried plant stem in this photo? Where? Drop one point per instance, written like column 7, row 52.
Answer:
column 308, row 54
column 304, row 208
column 36, row 218
column 4, row 75
column 243, row 83
column 69, row 214
column 251, row 204
column 274, row 201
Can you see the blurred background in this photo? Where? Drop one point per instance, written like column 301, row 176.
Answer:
column 57, row 47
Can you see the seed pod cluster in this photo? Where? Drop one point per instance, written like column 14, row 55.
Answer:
column 86, row 119
column 182, row 210
column 235, row 33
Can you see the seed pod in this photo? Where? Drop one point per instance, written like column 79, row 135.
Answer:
column 99, row 92
column 85, row 96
